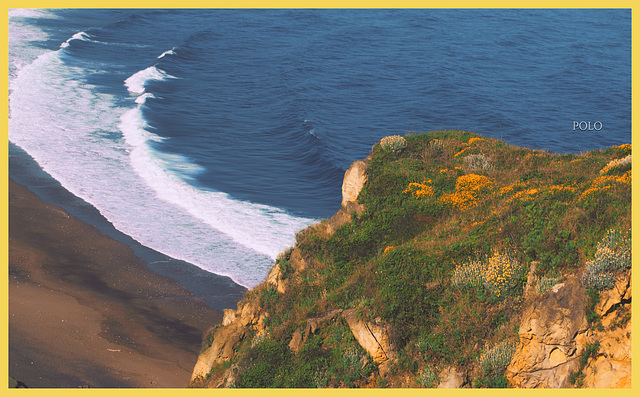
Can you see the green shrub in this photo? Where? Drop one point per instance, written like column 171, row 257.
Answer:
column 264, row 364
column 427, row 378
column 495, row 360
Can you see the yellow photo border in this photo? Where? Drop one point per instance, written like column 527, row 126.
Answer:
column 296, row 4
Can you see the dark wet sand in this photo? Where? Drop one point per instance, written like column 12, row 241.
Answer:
column 85, row 311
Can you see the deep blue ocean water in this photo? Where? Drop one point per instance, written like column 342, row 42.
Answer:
column 213, row 136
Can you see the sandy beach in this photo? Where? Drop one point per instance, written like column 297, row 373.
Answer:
column 84, row 311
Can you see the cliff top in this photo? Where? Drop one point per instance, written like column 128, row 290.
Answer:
column 425, row 269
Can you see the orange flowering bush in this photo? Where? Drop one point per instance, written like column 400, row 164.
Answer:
column 420, row 190
column 604, row 183
column 524, row 195
column 468, row 190
column 616, row 165
column 475, row 139
column 560, row 188
column 460, row 152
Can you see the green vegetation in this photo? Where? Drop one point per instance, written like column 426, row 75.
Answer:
column 590, row 351
column 452, row 222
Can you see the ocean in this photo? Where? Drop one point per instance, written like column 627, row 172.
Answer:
column 213, row 136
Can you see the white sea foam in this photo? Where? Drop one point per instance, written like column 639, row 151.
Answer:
column 169, row 52
column 60, row 122
column 135, row 83
column 78, row 36
column 237, row 219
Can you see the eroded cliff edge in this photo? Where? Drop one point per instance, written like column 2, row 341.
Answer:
column 319, row 321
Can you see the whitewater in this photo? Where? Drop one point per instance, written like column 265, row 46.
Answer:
column 100, row 148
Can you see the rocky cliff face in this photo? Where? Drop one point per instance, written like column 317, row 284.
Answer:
column 558, row 346
column 249, row 317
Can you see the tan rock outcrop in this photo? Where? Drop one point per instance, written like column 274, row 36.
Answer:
column 221, row 350
column 451, row 378
column 611, row 367
column 374, row 338
column 548, row 352
column 554, row 332
column 354, row 180
column 275, row 278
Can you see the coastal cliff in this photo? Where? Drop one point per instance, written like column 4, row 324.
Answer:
column 456, row 261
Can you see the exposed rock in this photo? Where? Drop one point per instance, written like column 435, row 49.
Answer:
column 621, row 291
column 248, row 313
column 548, row 352
column 384, row 368
column 221, row 350
column 451, row 378
column 314, row 323
column 229, row 316
column 296, row 341
column 611, row 368
column 338, row 219
column 352, row 184
column 275, row 278
column 297, row 261
column 374, row 338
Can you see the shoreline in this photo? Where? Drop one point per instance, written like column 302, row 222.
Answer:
column 86, row 311
column 220, row 292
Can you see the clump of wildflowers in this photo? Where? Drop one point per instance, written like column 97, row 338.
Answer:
column 612, row 253
column 495, row 360
column 475, row 139
column 395, row 143
column 468, row 190
column 469, row 274
column 524, row 195
column 604, row 183
column 461, row 152
column 502, row 273
column 499, row 274
column 420, row 190
column 618, row 164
